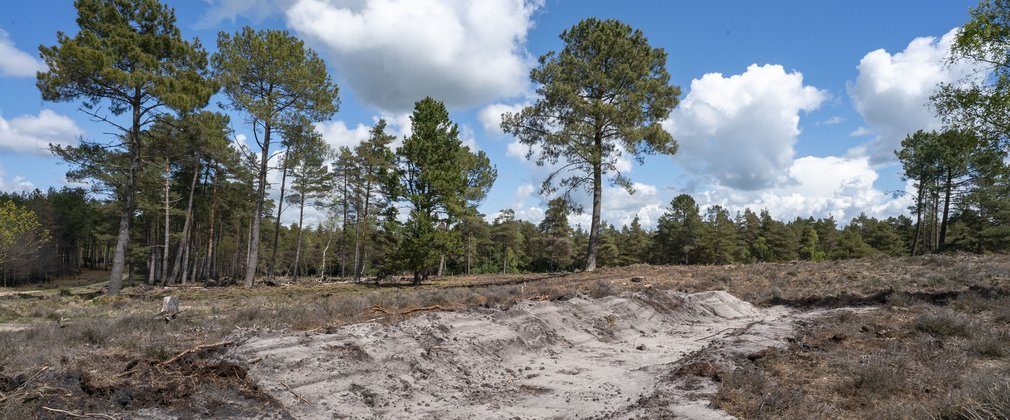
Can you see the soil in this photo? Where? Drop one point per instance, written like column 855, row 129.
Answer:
column 616, row 357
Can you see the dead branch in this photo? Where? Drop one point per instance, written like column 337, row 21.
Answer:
column 79, row 416
column 713, row 335
column 425, row 309
column 294, row 393
column 378, row 308
column 21, row 389
column 194, row 350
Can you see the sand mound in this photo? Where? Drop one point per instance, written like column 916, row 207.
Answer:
column 576, row 358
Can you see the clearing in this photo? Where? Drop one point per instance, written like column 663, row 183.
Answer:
column 852, row 339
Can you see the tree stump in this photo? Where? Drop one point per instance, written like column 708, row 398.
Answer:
column 170, row 305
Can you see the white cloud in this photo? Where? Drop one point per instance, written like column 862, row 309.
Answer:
column 17, row 63
column 254, row 10
column 395, row 52
column 860, row 132
column 522, row 193
column 17, row 184
column 824, row 186
column 337, row 134
column 832, row 121
column 398, row 124
column 33, row 134
column 740, row 130
column 490, row 116
column 892, row 91
column 468, row 138
column 618, row 207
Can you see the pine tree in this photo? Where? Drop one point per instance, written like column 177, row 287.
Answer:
column 279, row 83
column 603, row 95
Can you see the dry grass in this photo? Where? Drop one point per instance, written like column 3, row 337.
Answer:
column 851, row 365
column 914, row 361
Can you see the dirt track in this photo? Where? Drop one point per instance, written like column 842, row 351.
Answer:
column 613, row 357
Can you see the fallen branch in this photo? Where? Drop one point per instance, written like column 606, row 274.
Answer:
column 168, row 316
column 294, row 393
column 425, row 309
column 20, row 390
column 379, row 308
column 713, row 335
column 79, row 416
column 194, row 350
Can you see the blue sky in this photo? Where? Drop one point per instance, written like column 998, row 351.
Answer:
column 793, row 106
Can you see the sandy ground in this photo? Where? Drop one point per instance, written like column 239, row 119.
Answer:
column 615, row 357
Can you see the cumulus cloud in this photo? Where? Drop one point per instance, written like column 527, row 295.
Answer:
column 33, row 134
column 468, row 138
column 17, row 63
column 254, row 10
column 522, row 193
column 824, row 186
column 490, row 116
column 832, row 121
column 16, row 184
column 892, row 91
column 394, row 52
column 337, row 134
column 740, row 130
column 860, row 132
column 618, row 207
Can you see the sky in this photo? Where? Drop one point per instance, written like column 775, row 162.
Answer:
column 791, row 106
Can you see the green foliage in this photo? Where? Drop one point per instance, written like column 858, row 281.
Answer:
column 129, row 53
column 440, row 179
column 603, row 95
column 810, row 248
column 21, row 236
column 679, row 231
column 273, row 77
column 281, row 85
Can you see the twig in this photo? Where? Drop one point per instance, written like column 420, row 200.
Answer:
column 194, row 350
column 294, row 393
column 713, row 335
column 79, row 416
column 168, row 315
column 427, row 308
column 17, row 392
column 378, row 308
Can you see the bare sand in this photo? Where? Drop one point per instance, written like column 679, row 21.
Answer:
column 614, row 357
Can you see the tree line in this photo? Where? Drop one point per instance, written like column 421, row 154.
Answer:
column 175, row 198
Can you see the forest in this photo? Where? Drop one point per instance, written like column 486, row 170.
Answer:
column 174, row 198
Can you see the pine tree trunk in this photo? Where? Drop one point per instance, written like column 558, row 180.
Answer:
column 164, row 260
column 179, row 268
column 254, row 230
column 129, row 200
column 918, row 219
column 210, row 228
column 322, row 262
column 594, row 230
column 946, row 210
column 298, row 240
column 152, row 256
column 277, row 222
column 343, row 247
